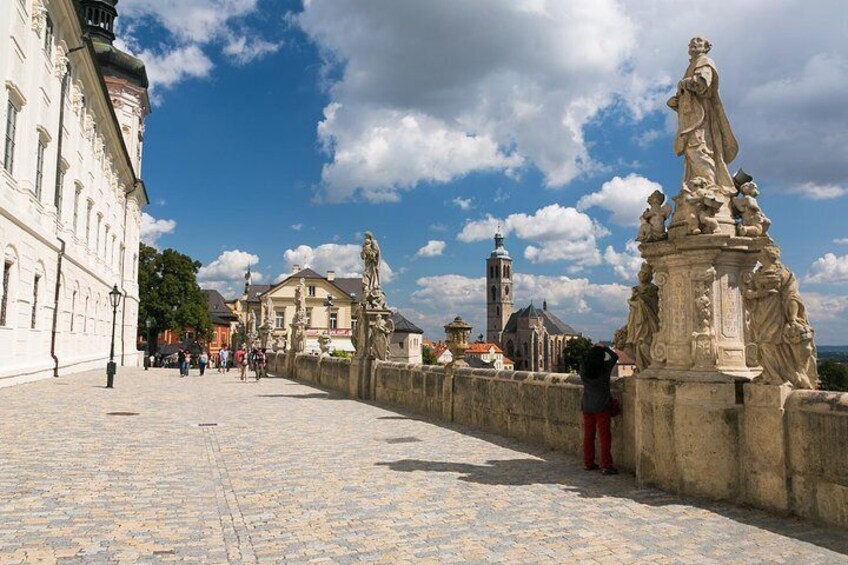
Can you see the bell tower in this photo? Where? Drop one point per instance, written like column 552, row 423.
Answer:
column 499, row 291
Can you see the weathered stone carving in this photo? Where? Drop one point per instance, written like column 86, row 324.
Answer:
column 60, row 62
column 324, row 341
column 703, row 202
column 746, row 209
column 298, row 325
column 778, row 323
column 268, row 312
column 643, row 320
column 281, row 343
column 652, row 226
column 373, row 325
column 39, row 16
column 381, row 332
column 704, row 137
column 704, row 338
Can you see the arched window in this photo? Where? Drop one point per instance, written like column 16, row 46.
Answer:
column 494, row 293
column 506, row 290
column 491, row 271
column 7, row 288
column 498, row 310
column 73, row 310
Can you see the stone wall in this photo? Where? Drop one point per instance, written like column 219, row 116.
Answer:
column 817, row 424
column 790, row 447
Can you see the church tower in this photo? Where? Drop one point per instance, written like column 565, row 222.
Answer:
column 499, row 301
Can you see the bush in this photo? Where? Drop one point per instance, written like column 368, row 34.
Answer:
column 833, row 376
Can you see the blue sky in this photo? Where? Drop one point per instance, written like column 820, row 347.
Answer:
column 283, row 130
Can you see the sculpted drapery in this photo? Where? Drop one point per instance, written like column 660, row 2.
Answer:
column 704, row 136
column 643, row 321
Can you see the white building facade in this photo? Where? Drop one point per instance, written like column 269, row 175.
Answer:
column 72, row 115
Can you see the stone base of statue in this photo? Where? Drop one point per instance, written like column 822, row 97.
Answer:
column 371, row 342
column 687, row 430
column 765, row 470
column 298, row 346
column 690, row 399
column 702, row 310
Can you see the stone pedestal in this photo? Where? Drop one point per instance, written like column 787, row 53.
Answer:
column 368, row 350
column 764, row 466
column 687, row 432
column 702, row 315
column 690, row 401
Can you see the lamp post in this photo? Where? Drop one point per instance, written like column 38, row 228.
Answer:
column 111, row 368
column 148, row 323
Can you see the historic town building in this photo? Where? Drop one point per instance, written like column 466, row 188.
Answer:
column 533, row 338
column 329, row 306
column 72, row 110
column 406, row 342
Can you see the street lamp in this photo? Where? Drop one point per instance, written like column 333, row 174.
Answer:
column 148, row 323
column 111, row 368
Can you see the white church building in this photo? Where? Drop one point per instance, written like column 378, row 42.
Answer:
column 72, row 111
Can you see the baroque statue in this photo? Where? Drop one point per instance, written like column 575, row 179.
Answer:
column 381, row 334
column 652, row 221
column 370, row 255
column 643, row 319
column 778, row 323
column 746, row 209
column 704, row 137
column 703, row 203
column 268, row 312
column 324, row 341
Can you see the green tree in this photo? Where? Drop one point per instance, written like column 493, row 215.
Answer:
column 169, row 294
column 573, row 353
column 833, row 376
column 427, row 356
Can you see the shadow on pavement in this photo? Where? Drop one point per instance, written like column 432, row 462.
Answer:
column 591, row 484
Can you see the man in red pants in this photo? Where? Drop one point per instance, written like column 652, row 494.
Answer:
column 595, row 372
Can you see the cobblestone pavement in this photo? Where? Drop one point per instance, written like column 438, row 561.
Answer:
column 293, row 474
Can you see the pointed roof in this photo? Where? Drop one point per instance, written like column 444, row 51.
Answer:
column 553, row 324
column 402, row 325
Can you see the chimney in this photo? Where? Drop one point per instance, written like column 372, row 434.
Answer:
column 295, row 268
column 331, row 276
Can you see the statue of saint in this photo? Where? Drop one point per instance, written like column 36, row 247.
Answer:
column 779, row 325
column 704, row 137
column 381, row 334
column 371, row 258
column 268, row 307
column 300, row 303
column 643, row 320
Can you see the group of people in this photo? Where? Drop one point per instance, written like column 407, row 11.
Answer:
column 256, row 360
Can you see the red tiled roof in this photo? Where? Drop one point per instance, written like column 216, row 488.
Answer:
column 483, row 348
column 624, row 358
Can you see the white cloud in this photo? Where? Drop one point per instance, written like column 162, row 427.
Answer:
column 152, row 229
column 820, row 191
column 625, row 197
column 626, row 264
column 388, row 151
column 344, row 259
column 415, row 104
column 841, row 241
column 168, row 68
column 827, row 315
column 433, row 248
column 828, row 269
column 558, row 234
column 463, row 203
column 191, row 27
column 245, row 49
column 226, row 273
column 782, row 87
column 297, row 227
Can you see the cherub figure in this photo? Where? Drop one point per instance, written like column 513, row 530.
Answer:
column 652, row 227
column 704, row 203
column 746, row 209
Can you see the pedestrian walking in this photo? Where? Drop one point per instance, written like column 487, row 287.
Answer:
column 597, row 406
column 259, row 361
column 182, row 363
column 202, row 361
column 241, row 361
column 222, row 360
